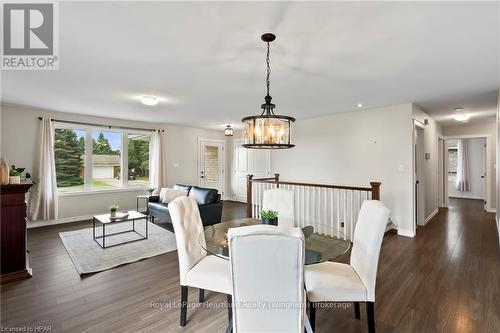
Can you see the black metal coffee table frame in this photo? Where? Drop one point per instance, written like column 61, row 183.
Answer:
column 104, row 235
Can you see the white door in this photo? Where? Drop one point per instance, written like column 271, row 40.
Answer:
column 256, row 162
column 211, row 164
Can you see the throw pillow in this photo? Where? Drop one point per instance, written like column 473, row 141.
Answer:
column 170, row 195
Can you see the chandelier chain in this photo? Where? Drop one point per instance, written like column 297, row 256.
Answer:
column 268, row 69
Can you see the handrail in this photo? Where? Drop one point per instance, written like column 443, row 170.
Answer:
column 374, row 187
column 342, row 187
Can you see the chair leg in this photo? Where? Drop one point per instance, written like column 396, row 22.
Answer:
column 370, row 314
column 184, row 299
column 229, row 308
column 201, row 298
column 356, row 310
column 312, row 315
column 152, row 219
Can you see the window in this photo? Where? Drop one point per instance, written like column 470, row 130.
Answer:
column 138, row 159
column 91, row 158
column 69, row 153
column 106, row 159
column 452, row 160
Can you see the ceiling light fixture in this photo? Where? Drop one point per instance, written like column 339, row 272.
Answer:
column 228, row 131
column 462, row 117
column 268, row 130
column 149, row 100
column 360, row 105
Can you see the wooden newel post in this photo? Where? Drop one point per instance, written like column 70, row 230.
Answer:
column 277, row 179
column 375, row 190
column 249, row 196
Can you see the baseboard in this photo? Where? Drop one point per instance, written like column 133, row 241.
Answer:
column 64, row 220
column 498, row 228
column 428, row 218
column 491, row 210
column 406, row 233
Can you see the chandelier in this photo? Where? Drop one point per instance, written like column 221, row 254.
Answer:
column 268, row 130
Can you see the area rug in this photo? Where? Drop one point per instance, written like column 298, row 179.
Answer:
column 89, row 257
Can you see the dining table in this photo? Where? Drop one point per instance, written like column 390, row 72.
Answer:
column 323, row 242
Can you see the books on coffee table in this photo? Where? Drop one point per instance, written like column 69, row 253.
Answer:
column 119, row 216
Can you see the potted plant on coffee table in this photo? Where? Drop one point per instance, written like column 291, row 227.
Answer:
column 269, row 217
column 113, row 209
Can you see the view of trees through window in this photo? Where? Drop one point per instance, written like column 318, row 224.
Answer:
column 69, row 151
column 138, row 159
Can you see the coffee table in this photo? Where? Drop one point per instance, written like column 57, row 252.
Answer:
column 105, row 219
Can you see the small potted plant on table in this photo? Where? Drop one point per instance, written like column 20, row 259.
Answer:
column 149, row 190
column 113, row 209
column 269, row 217
column 15, row 175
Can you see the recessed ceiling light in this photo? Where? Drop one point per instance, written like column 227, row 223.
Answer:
column 360, row 105
column 462, row 116
column 459, row 109
column 149, row 100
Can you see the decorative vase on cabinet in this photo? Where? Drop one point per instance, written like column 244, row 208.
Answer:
column 4, row 172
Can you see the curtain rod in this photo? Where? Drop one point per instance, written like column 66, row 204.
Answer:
column 100, row 125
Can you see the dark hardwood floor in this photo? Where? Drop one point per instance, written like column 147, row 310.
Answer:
column 447, row 279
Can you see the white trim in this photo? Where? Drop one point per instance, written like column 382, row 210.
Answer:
column 431, row 215
column 64, row 220
column 99, row 191
column 491, row 210
column 498, row 228
column 406, row 233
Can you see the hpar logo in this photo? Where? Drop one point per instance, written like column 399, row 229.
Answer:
column 30, row 36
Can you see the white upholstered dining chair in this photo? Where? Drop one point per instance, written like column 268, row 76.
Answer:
column 354, row 282
column 282, row 201
column 267, row 266
column 196, row 268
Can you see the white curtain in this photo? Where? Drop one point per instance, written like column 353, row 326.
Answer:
column 158, row 163
column 43, row 205
column 463, row 179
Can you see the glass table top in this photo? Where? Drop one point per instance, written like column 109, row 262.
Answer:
column 322, row 242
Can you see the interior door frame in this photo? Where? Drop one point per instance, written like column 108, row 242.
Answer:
column 416, row 202
column 489, row 169
column 223, row 162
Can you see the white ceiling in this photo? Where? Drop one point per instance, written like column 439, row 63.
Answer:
column 206, row 60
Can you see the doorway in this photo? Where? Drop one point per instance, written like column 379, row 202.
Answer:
column 211, row 164
column 256, row 162
column 466, row 172
column 418, row 174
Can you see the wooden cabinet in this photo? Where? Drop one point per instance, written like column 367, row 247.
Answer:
column 14, row 260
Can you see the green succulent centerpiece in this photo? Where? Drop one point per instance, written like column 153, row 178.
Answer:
column 113, row 209
column 269, row 217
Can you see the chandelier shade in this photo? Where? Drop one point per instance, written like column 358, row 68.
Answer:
column 268, row 130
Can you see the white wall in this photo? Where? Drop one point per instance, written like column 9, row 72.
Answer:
column 19, row 125
column 486, row 129
column 476, row 168
column 432, row 131
column 355, row 148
